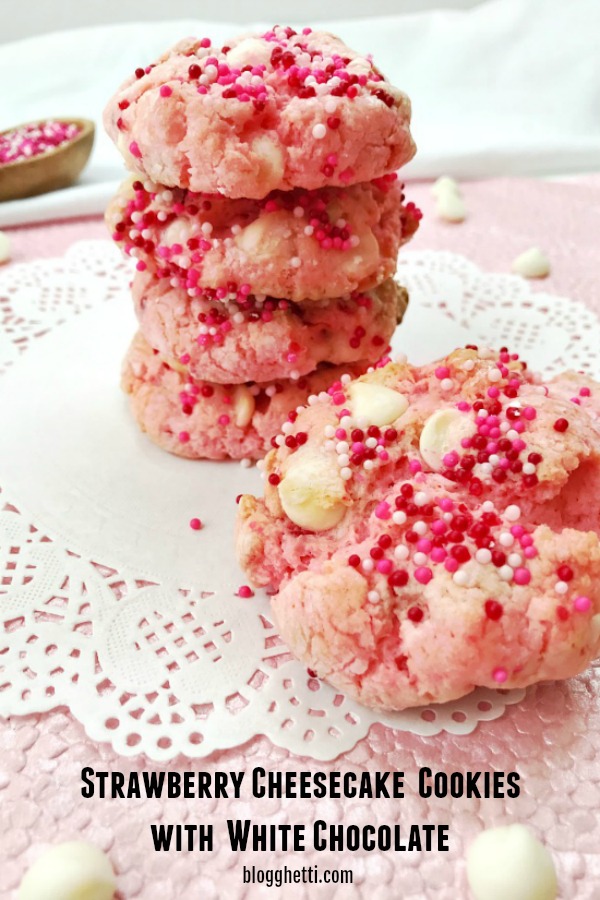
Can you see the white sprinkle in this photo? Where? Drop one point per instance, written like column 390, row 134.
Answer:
column 354, row 240
column 373, row 597
column 346, row 422
column 309, row 230
column 295, row 262
column 420, row 527
column 506, row 573
column 447, row 517
column 494, row 459
column 401, row 552
column 279, row 440
column 368, row 465
column 460, row 577
column 561, row 587
column 399, row 517
column 206, row 228
column 469, row 365
column 245, row 463
column 343, row 460
column 312, row 400
column 329, row 445
column 287, row 427
column 483, row 556
column 446, row 384
column 482, row 414
column 346, row 379
column 512, row 435
column 506, row 539
column 330, row 106
column 495, row 375
column 504, row 427
column 236, row 229
column 487, row 506
column 512, row 512
column 515, row 560
column 346, row 474
column 319, row 131
column 298, row 212
column 528, row 468
column 420, row 559
column 371, row 443
column 485, row 469
column 294, row 375
column 238, row 318
column 342, row 447
column 329, row 431
column 367, row 565
column 270, row 391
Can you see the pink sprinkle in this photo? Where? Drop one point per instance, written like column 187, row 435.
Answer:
column 184, row 437
column 245, row 592
column 450, row 460
column 135, row 150
column 140, row 265
column 438, row 554
column 582, row 604
column 517, row 531
column 195, row 524
column 585, row 392
column 530, row 413
column 439, row 527
column 423, row 574
column 522, row 576
column 446, row 504
column 223, row 420
column 493, row 392
column 530, row 552
column 442, row 372
column 451, row 564
column 385, row 566
column 184, row 359
column 463, row 406
column 500, row 675
column 424, row 545
column 165, row 90
column 340, row 434
column 338, row 398
column 526, row 540
column 415, row 466
column 384, row 456
column 519, row 444
column 382, row 510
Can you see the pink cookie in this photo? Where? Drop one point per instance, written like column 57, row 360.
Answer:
column 233, row 342
column 202, row 420
column 303, row 245
column 267, row 112
column 437, row 529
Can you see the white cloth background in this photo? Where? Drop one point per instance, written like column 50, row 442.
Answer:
column 506, row 87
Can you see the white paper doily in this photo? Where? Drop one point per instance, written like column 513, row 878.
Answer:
column 110, row 603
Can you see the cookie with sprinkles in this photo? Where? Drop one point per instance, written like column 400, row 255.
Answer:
column 302, row 245
column 437, row 529
column 199, row 419
column 274, row 111
column 242, row 337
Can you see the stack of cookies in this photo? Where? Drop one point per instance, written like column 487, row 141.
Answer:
column 265, row 215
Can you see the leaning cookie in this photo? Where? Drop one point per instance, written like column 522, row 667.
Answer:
column 436, row 529
column 303, row 245
column 266, row 112
column 203, row 420
column 241, row 340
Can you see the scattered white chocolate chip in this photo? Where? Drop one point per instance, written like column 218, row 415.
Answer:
column 311, row 492
column 444, row 185
column 243, row 405
column 451, row 207
column 69, row 871
column 531, row 264
column 509, row 862
column 378, row 404
column 250, row 51
column 4, row 248
column 442, row 433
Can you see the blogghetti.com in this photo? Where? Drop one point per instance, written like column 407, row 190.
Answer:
column 305, row 875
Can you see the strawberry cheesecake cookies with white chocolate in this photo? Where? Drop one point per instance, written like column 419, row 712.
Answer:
column 429, row 530
column 265, row 218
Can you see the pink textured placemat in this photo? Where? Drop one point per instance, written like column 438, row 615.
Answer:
column 552, row 738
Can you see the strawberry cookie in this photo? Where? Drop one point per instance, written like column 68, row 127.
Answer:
column 274, row 111
column 245, row 338
column 434, row 529
column 201, row 420
column 302, row 245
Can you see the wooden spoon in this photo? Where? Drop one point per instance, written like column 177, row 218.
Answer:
column 57, row 168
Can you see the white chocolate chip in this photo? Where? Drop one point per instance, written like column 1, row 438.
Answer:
column 311, row 491
column 451, row 207
column 4, row 248
column 243, row 405
column 509, row 862
column 249, row 52
column 379, row 405
column 269, row 159
column 531, row 264
column 69, row 871
column 445, row 185
column 443, row 432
